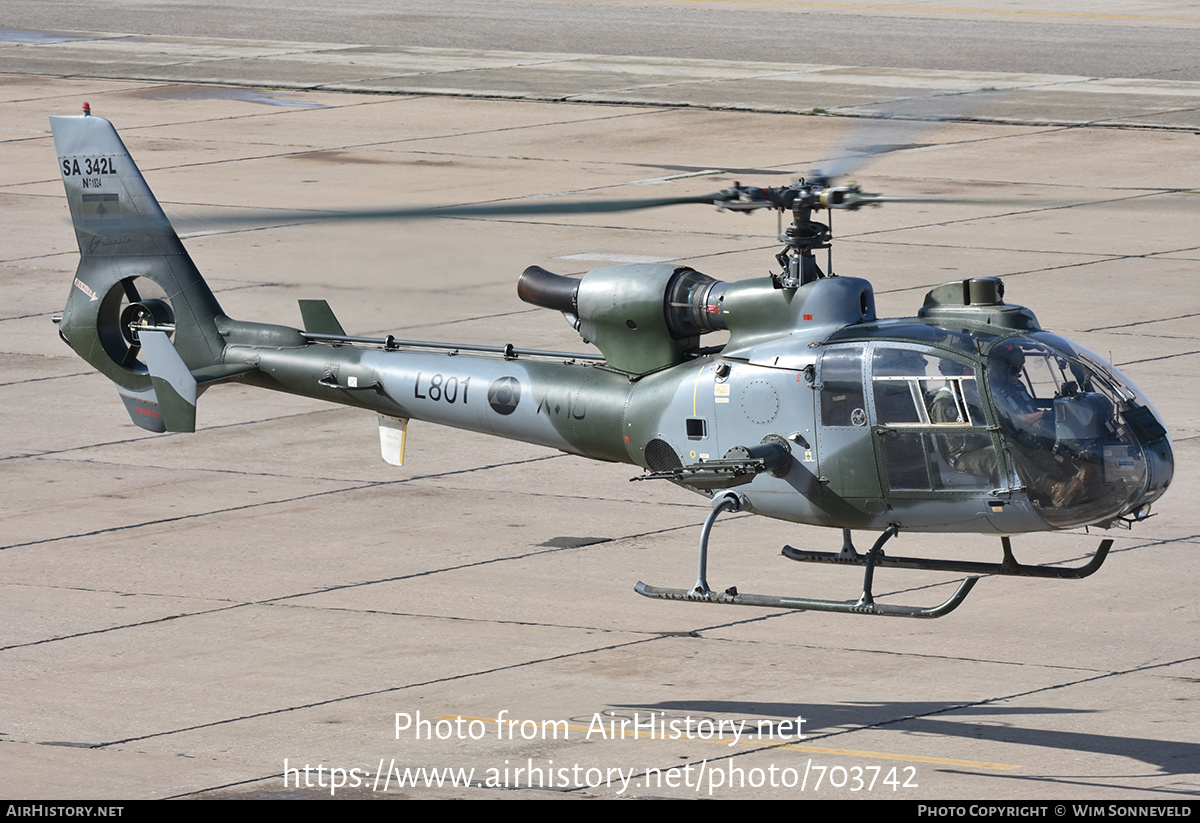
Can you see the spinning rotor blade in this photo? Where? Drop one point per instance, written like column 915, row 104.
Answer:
column 1140, row 200
column 733, row 199
column 889, row 127
column 853, row 200
column 896, row 126
column 542, row 206
column 738, row 198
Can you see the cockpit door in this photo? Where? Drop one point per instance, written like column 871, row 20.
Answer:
column 931, row 430
column 845, row 451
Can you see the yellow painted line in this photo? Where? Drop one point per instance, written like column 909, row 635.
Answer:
column 913, row 758
column 695, row 388
column 943, row 9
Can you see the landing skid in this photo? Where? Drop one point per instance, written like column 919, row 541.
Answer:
column 861, row 606
column 865, row 604
column 1007, row 566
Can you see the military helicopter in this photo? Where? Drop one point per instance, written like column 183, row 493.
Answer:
column 968, row 417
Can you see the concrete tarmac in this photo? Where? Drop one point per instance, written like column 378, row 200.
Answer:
column 1025, row 96
column 1142, row 39
column 265, row 609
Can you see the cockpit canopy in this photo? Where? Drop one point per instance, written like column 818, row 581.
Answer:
column 963, row 409
column 1076, row 429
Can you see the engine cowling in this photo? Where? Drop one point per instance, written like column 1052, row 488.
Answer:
column 641, row 317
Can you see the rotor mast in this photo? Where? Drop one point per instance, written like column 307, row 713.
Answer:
column 805, row 235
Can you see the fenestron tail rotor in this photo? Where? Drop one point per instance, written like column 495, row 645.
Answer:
column 145, row 305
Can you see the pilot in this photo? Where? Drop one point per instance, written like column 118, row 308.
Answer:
column 1014, row 400
column 968, row 453
column 1050, row 474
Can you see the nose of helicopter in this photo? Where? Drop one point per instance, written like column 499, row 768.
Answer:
column 1150, row 447
column 1160, row 468
column 1087, row 445
column 1105, row 483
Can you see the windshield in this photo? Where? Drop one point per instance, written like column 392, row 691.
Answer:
column 1061, row 419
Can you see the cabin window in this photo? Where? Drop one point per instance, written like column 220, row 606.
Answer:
column 930, row 461
column 928, row 405
column 913, row 388
column 842, row 401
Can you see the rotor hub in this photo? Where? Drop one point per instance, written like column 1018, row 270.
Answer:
column 145, row 314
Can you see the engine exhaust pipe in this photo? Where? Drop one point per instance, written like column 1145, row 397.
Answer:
column 548, row 290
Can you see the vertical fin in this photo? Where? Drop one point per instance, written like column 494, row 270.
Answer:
column 126, row 240
column 319, row 318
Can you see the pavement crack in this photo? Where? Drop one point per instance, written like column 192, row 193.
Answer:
column 122, row 627
column 1161, row 357
column 357, row 486
column 376, row 692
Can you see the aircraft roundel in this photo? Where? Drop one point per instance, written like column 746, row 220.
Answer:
column 504, row 394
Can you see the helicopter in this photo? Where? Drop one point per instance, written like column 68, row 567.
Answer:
column 965, row 418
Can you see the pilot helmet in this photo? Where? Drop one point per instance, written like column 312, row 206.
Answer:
column 1011, row 355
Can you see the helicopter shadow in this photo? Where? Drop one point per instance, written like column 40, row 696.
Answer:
column 824, row 722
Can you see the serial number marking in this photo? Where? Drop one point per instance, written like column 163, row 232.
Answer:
column 441, row 387
column 88, row 166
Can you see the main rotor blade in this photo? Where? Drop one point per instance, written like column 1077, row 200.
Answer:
column 856, row 199
column 1132, row 200
column 897, row 124
column 543, row 206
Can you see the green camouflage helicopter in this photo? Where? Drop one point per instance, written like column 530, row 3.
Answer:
column 965, row 418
